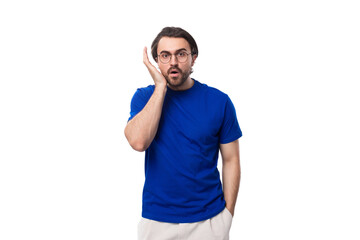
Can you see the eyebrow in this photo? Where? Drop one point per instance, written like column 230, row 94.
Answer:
column 179, row 50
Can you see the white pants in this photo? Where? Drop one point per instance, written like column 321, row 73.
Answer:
column 215, row 228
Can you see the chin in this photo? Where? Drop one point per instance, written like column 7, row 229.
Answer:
column 176, row 83
column 173, row 81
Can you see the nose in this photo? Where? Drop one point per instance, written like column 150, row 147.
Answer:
column 173, row 60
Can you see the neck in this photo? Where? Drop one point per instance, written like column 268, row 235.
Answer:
column 185, row 86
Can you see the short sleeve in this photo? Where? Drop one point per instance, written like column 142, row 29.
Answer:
column 230, row 129
column 139, row 100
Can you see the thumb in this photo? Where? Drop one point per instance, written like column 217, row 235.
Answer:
column 146, row 58
column 152, row 69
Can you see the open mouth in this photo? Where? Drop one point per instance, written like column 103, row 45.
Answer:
column 174, row 73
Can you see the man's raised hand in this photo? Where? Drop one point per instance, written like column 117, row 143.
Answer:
column 158, row 78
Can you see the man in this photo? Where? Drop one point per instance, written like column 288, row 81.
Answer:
column 182, row 124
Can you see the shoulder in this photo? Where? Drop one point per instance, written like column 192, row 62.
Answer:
column 144, row 92
column 213, row 92
column 148, row 89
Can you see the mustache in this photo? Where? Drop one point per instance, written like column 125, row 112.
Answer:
column 174, row 68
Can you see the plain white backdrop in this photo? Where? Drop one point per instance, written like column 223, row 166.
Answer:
column 68, row 70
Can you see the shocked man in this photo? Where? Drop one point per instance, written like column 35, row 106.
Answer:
column 181, row 124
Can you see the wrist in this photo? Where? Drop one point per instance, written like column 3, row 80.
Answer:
column 161, row 87
column 230, row 208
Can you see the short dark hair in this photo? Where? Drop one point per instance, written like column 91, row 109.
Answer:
column 175, row 32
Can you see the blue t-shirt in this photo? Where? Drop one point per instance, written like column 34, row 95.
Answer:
column 182, row 182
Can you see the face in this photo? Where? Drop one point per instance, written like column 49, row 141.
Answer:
column 176, row 73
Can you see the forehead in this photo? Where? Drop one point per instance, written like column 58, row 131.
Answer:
column 171, row 44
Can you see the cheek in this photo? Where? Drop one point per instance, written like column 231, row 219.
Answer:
column 187, row 66
column 162, row 69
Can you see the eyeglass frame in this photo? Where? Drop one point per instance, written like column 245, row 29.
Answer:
column 177, row 52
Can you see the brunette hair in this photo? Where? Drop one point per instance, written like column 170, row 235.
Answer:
column 175, row 32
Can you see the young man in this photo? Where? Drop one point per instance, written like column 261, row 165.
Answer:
column 182, row 124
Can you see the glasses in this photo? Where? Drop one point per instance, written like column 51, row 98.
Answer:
column 180, row 56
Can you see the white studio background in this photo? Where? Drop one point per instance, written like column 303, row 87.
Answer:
column 68, row 70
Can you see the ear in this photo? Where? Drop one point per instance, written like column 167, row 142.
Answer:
column 193, row 60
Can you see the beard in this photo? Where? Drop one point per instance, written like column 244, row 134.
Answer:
column 177, row 81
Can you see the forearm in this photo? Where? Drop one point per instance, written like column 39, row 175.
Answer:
column 141, row 130
column 231, row 181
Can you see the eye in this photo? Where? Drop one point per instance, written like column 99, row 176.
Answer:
column 164, row 55
column 181, row 54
